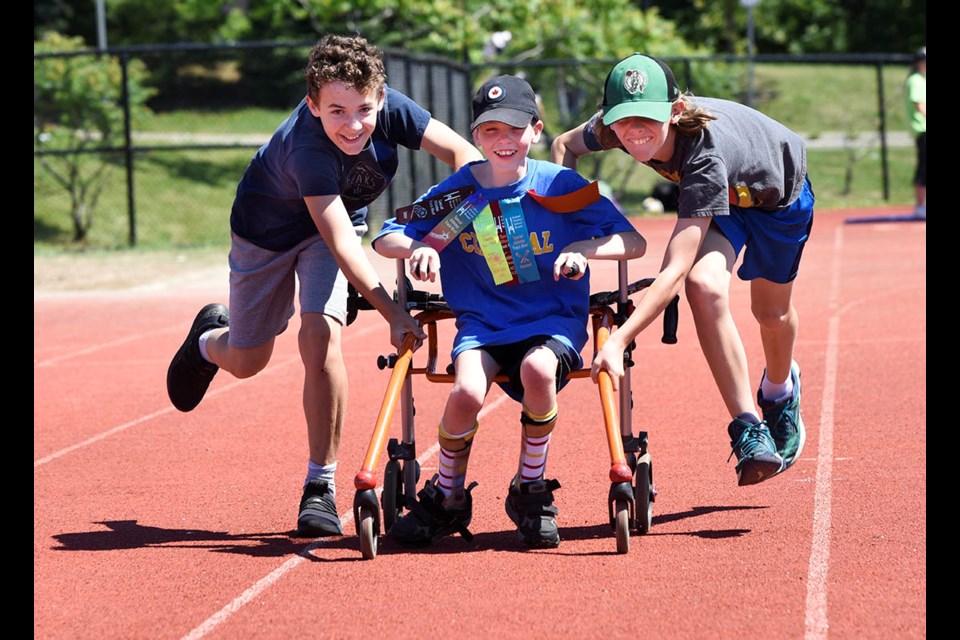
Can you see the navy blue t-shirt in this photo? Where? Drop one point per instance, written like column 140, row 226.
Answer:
column 300, row 161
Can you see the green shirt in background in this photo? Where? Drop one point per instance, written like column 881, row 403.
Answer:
column 916, row 92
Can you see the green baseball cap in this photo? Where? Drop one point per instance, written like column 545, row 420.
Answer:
column 639, row 85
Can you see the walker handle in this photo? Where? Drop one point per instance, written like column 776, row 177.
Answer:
column 670, row 317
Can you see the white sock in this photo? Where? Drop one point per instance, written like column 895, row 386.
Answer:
column 203, row 345
column 774, row 392
column 321, row 472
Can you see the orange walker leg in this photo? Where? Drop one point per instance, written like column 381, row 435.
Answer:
column 366, row 478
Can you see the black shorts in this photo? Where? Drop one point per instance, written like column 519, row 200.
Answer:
column 509, row 357
column 920, row 176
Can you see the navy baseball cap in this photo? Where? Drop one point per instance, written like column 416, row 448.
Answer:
column 639, row 85
column 506, row 99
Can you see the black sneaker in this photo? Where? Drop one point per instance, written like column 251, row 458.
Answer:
column 530, row 506
column 189, row 375
column 318, row 512
column 428, row 520
column 757, row 457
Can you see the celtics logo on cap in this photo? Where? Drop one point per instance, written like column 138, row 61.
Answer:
column 495, row 94
column 634, row 81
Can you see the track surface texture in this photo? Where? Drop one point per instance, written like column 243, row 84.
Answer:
column 151, row 523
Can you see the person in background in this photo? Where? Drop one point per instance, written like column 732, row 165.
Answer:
column 916, row 102
column 298, row 216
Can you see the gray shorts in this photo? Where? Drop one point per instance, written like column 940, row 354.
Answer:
column 263, row 282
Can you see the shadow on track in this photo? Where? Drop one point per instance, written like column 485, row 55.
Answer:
column 129, row 534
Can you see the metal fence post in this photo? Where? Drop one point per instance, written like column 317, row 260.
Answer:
column 128, row 148
column 883, row 133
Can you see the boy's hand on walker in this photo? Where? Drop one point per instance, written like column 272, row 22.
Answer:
column 425, row 264
column 609, row 359
column 569, row 265
column 400, row 330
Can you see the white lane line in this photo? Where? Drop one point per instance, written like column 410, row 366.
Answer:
column 272, row 368
column 97, row 347
column 816, row 622
column 123, row 427
column 264, row 583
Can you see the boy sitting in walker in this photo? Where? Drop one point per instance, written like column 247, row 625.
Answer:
column 504, row 230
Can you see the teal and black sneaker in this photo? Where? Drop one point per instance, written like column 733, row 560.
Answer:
column 757, row 457
column 783, row 419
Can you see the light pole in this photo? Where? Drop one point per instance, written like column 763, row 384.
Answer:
column 750, row 5
column 101, row 27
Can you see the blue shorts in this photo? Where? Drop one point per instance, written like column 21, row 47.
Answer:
column 263, row 283
column 774, row 240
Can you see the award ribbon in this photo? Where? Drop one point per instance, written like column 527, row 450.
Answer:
column 570, row 202
column 439, row 205
column 455, row 222
column 489, row 240
column 518, row 239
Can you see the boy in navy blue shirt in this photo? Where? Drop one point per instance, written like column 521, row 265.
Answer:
column 299, row 213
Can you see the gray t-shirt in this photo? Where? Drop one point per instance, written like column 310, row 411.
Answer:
column 743, row 158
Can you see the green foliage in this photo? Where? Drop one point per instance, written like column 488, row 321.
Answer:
column 802, row 26
column 134, row 22
column 453, row 27
column 78, row 106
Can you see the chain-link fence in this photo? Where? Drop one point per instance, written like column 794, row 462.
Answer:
column 169, row 179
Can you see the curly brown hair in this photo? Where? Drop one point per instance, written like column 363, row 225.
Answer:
column 693, row 120
column 347, row 59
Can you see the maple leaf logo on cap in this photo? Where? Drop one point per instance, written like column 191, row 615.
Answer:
column 495, row 94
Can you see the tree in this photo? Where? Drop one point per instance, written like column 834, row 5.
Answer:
column 802, row 26
column 78, row 106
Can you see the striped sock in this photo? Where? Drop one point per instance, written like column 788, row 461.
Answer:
column 454, row 455
column 535, row 443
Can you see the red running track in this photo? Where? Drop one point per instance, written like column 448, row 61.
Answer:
column 150, row 523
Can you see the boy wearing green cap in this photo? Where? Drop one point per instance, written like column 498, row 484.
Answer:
column 743, row 182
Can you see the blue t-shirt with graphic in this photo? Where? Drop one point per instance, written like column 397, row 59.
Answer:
column 300, row 161
column 496, row 314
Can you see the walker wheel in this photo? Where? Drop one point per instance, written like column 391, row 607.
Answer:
column 643, row 494
column 367, row 531
column 622, row 519
column 392, row 497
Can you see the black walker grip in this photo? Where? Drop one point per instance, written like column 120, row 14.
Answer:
column 670, row 317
